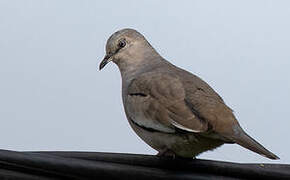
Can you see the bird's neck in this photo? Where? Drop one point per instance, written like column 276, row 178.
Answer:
column 131, row 66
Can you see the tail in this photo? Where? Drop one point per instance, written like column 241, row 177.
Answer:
column 243, row 139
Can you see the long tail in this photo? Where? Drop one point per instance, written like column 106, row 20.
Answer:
column 243, row 139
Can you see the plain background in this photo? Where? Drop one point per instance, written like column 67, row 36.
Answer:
column 53, row 98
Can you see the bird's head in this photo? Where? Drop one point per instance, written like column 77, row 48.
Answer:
column 125, row 48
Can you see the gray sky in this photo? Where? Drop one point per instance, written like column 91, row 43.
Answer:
column 52, row 97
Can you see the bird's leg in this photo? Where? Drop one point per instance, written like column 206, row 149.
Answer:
column 166, row 153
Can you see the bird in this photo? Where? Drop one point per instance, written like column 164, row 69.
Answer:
column 172, row 110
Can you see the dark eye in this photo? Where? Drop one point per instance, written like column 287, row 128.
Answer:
column 122, row 43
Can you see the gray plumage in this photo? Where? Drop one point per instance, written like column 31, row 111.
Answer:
column 172, row 110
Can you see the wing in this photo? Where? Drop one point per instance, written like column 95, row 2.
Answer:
column 207, row 105
column 158, row 101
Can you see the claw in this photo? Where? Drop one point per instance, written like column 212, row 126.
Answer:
column 167, row 153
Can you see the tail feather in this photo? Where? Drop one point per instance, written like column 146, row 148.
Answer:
column 243, row 139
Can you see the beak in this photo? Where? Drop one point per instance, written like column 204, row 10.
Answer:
column 105, row 61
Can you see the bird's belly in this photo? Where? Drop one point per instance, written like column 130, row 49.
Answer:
column 184, row 145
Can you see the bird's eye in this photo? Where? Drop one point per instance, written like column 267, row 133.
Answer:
column 122, row 43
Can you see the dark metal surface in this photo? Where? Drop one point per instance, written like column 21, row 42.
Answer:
column 94, row 165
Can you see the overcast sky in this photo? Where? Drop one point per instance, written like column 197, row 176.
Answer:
column 53, row 98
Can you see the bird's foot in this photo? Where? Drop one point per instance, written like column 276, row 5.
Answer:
column 167, row 153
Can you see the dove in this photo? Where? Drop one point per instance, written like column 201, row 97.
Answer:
column 172, row 110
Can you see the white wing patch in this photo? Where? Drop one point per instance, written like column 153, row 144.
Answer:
column 183, row 127
column 149, row 123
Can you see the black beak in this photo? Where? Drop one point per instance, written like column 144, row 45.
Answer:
column 104, row 62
